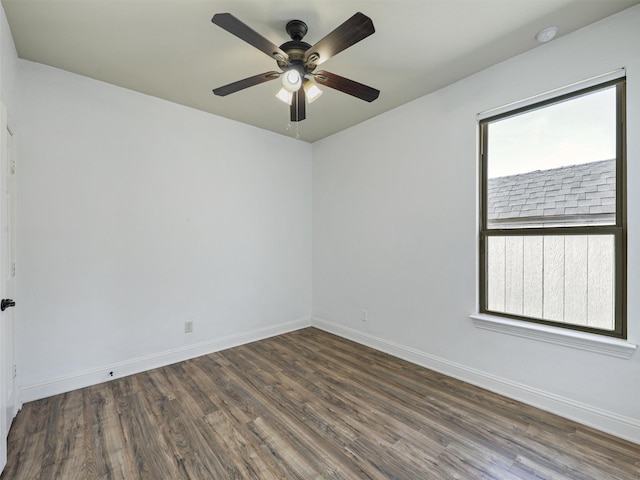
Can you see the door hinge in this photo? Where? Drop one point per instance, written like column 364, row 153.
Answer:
column 13, row 269
column 15, row 371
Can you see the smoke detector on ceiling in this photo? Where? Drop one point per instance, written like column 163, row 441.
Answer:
column 546, row 34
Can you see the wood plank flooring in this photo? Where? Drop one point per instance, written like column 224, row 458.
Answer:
column 304, row 405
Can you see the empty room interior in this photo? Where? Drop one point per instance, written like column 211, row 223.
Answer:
column 429, row 271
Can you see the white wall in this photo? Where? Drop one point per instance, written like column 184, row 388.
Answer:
column 136, row 215
column 394, row 231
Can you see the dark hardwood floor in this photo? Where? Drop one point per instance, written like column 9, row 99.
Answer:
column 304, row 405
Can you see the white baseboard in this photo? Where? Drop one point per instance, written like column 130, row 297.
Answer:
column 609, row 422
column 618, row 425
column 87, row 378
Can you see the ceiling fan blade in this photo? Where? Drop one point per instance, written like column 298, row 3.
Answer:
column 298, row 106
column 359, row 90
column 234, row 26
column 245, row 83
column 349, row 33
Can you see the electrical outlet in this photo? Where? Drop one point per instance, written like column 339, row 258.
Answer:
column 364, row 315
column 188, row 327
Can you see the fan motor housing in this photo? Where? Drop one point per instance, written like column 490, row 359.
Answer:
column 296, row 48
column 296, row 59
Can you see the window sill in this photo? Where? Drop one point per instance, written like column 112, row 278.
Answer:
column 584, row 341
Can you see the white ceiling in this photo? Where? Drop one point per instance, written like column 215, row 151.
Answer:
column 171, row 50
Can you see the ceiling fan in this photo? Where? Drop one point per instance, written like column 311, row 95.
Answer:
column 298, row 60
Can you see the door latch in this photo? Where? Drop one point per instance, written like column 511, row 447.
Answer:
column 6, row 303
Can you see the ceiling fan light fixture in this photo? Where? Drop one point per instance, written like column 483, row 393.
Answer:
column 291, row 80
column 285, row 96
column 297, row 60
column 311, row 90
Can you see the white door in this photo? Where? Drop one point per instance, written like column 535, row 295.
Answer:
column 8, row 401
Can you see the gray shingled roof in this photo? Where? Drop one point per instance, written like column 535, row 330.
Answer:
column 576, row 190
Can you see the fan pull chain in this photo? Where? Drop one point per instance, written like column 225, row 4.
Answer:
column 297, row 129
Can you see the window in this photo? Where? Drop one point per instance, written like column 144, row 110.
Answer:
column 552, row 220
